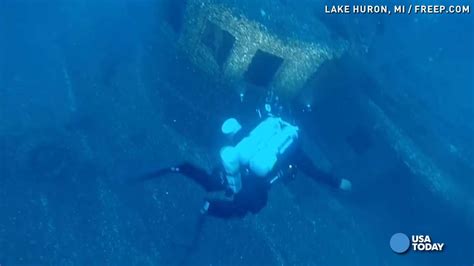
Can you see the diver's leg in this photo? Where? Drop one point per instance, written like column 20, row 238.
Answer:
column 209, row 182
column 252, row 198
column 156, row 174
column 223, row 209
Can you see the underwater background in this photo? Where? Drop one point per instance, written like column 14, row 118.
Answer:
column 95, row 93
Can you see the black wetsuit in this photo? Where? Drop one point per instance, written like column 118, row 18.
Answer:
column 254, row 193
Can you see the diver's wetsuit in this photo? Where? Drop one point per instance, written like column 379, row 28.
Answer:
column 254, row 193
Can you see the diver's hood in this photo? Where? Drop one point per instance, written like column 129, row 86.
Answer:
column 230, row 127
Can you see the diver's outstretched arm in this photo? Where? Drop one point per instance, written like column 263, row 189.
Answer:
column 306, row 165
column 202, row 177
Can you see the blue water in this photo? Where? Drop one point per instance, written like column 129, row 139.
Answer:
column 94, row 93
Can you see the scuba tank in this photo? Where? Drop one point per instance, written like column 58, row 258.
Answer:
column 268, row 141
column 230, row 161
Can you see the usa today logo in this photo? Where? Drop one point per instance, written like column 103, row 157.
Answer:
column 400, row 243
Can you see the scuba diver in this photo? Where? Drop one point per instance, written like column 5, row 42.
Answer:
column 250, row 163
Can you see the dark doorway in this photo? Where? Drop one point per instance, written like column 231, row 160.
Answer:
column 263, row 68
column 219, row 42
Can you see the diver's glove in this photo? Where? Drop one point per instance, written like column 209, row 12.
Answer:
column 205, row 207
column 345, row 185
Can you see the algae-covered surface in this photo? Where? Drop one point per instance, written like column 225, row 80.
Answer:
column 95, row 93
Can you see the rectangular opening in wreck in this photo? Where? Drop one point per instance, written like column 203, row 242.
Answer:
column 220, row 42
column 263, row 68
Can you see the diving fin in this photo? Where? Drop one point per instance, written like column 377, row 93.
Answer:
column 156, row 174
